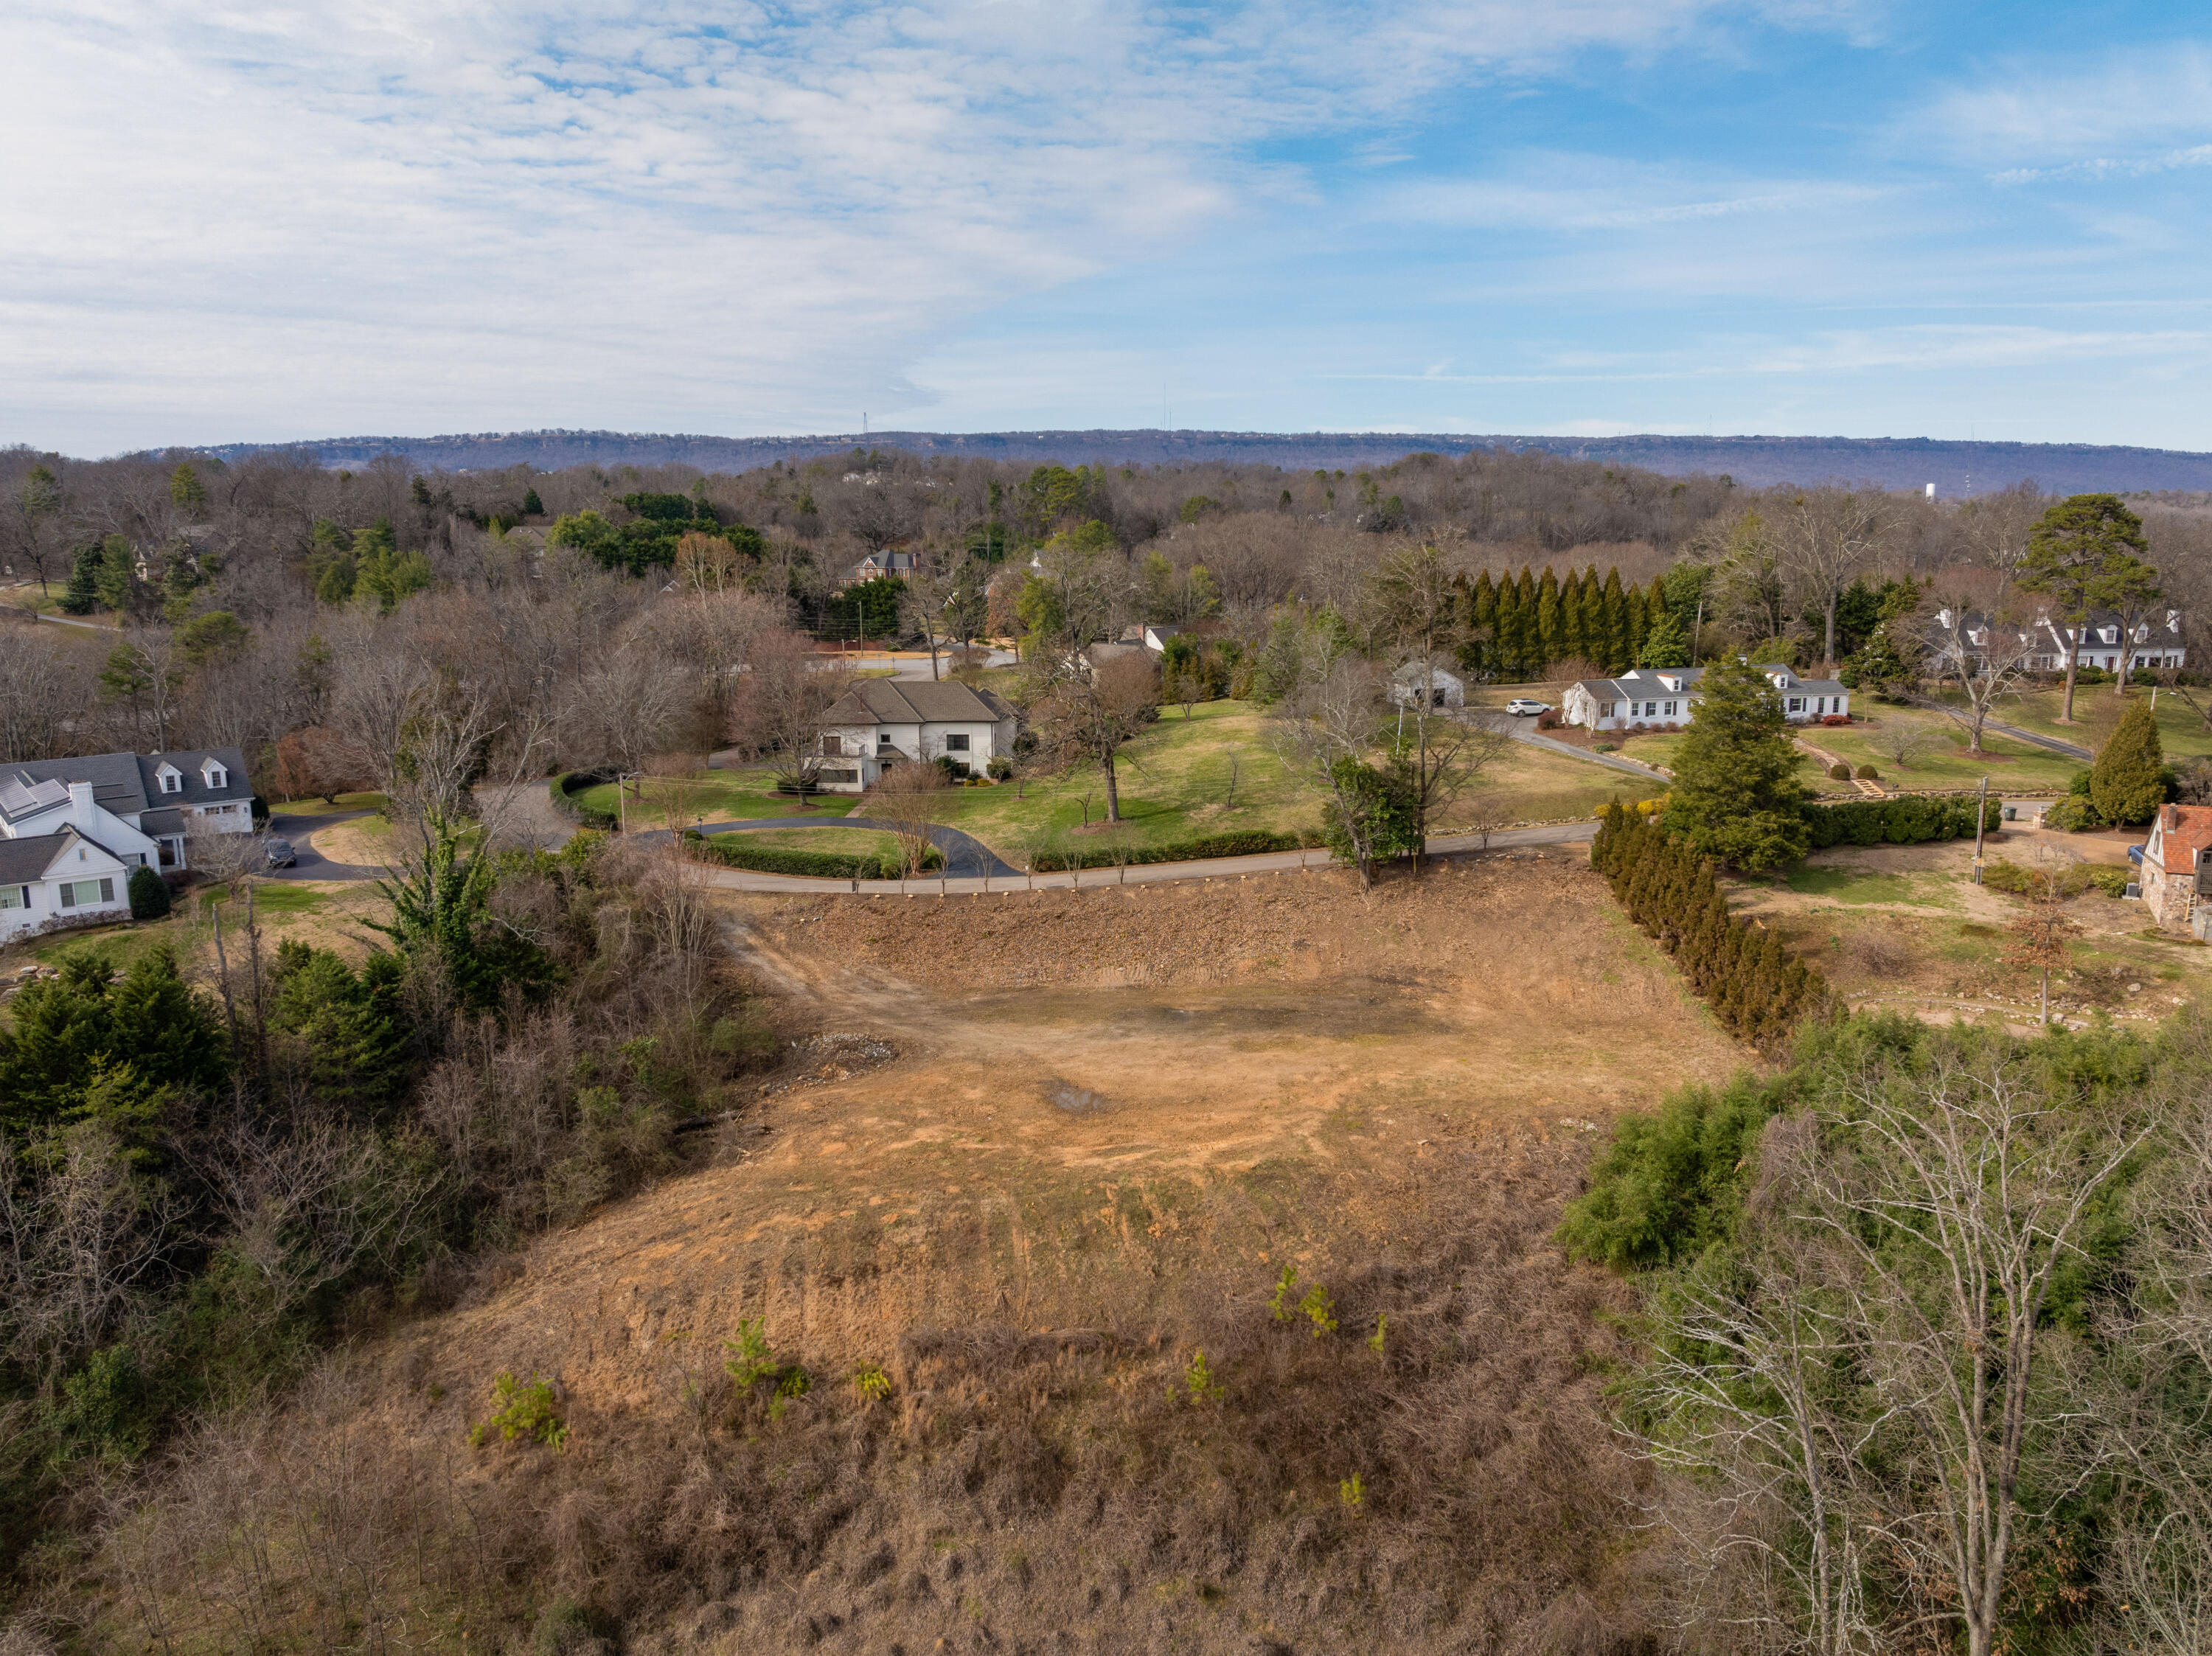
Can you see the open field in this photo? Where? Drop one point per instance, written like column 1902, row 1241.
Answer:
column 1054, row 1148
column 1905, row 926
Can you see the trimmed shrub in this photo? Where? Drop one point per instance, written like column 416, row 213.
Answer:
column 2073, row 815
column 1757, row 991
column 149, row 894
column 1252, row 842
column 563, row 791
column 1907, row 820
column 1841, row 771
column 1834, row 720
column 1867, row 773
column 732, row 851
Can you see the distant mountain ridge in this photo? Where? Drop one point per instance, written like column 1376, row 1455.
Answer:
column 1955, row 468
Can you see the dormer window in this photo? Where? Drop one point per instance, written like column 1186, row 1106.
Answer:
column 214, row 775
column 172, row 780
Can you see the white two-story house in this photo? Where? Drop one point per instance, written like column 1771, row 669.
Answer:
column 882, row 722
column 1654, row 698
column 72, row 829
column 2153, row 642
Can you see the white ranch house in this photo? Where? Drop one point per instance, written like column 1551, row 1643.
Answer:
column 1653, row 698
column 72, row 829
column 882, row 722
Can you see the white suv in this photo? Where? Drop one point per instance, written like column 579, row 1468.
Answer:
column 1522, row 706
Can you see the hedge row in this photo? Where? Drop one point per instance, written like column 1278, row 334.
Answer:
column 1250, row 843
column 1907, row 820
column 563, row 791
column 731, row 851
column 1756, row 991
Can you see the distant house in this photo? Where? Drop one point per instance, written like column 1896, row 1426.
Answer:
column 2152, row 641
column 883, row 722
column 1653, row 698
column 2156, row 641
column 1444, row 689
column 2174, row 862
column 72, row 829
column 1098, row 654
column 877, row 565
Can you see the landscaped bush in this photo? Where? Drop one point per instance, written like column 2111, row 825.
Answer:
column 1834, row 720
column 1755, row 989
column 732, row 851
column 563, row 791
column 2073, row 815
column 1907, row 821
column 1250, row 843
column 1867, row 773
column 149, row 894
column 1840, row 770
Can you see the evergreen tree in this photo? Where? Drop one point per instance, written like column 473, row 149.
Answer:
column 115, row 575
column 82, row 596
column 2127, row 783
column 1735, row 794
column 1619, row 655
column 1484, row 610
column 186, row 489
column 1664, row 644
column 1551, row 633
column 149, row 894
column 532, row 506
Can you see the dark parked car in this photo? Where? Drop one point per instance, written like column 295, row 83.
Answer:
column 281, row 854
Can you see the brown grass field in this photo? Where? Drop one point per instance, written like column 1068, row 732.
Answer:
column 1034, row 1154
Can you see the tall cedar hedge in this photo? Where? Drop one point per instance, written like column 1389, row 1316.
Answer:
column 1756, row 991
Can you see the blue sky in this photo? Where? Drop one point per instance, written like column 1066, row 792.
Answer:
column 263, row 220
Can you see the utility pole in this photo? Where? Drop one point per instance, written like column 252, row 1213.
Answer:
column 1981, row 814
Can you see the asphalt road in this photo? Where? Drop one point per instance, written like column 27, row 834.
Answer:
column 312, row 865
column 1212, row 868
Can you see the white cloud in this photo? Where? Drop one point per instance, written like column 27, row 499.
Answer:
column 267, row 218
column 2129, row 107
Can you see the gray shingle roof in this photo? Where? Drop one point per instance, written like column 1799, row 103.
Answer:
column 888, row 701
column 124, row 783
column 22, row 861
column 29, row 858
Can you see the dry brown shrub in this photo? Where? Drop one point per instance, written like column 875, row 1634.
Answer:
column 1019, row 1490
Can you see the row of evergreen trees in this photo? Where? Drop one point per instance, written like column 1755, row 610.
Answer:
column 1515, row 629
column 1755, row 989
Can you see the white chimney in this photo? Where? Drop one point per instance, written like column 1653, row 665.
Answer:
column 81, row 806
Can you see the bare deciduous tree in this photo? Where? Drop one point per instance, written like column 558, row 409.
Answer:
column 1987, row 665
column 1875, row 1383
column 1827, row 536
column 1087, row 718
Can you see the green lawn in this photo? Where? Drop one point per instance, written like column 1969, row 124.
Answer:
column 325, row 808
column 1847, row 884
column 2014, row 768
column 837, row 842
column 2181, row 730
column 269, row 897
column 1175, row 782
column 712, row 797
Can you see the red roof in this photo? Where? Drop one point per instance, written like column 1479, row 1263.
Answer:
column 2186, row 825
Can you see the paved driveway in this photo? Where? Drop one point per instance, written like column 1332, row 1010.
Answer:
column 312, row 865
column 965, row 856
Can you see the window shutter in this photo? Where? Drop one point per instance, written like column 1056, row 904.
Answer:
column 107, row 891
column 68, row 894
